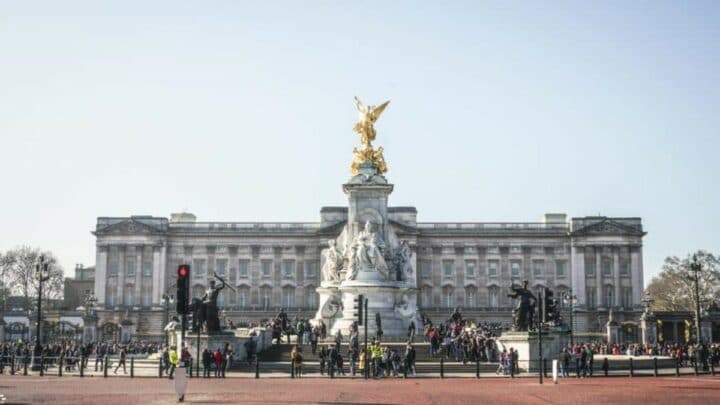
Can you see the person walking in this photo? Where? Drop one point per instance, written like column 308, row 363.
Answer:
column 410, row 358
column 564, row 361
column 174, row 361
column 121, row 361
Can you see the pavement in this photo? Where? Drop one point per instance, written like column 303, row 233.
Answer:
column 600, row 390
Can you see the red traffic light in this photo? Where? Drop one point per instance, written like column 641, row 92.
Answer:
column 183, row 271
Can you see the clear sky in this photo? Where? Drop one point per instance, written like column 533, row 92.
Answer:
column 242, row 111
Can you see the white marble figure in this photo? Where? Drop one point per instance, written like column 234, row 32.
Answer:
column 333, row 263
column 367, row 253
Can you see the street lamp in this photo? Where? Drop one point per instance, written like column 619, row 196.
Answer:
column 696, row 267
column 168, row 298
column 41, row 268
column 570, row 299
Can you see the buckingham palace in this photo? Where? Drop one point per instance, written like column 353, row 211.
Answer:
column 271, row 265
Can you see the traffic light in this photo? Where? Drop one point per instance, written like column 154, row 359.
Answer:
column 358, row 304
column 183, row 288
column 550, row 308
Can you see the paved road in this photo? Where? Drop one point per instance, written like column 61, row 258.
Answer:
column 73, row 390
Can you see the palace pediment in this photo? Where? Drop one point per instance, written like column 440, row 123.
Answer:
column 128, row 227
column 608, row 227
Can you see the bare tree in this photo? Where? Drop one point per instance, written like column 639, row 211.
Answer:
column 674, row 290
column 19, row 266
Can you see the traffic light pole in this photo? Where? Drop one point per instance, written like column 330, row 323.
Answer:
column 367, row 357
column 541, row 314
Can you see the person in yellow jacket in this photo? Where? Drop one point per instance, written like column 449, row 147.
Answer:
column 377, row 354
column 297, row 359
column 174, row 360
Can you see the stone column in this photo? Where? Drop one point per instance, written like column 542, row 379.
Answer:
column 156, row 276
column 577, row 273
column 139, row 252
column 649, row 328
column 121, row 276
column 616, row 277
column 636, row 274
column 101, row 278
column 162, row 286
column 675, row 338
column 598, row 278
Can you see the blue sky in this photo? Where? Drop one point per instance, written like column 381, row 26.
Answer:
column 242, row 111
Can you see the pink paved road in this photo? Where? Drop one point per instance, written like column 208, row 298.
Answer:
column 665, row 390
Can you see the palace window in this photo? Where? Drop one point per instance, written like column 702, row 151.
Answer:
column 221, row 266
column 607, row 295
column 470, row 266
column 591, row 295
column 471, row 297
column 311, row 269
column 312, row 300
column 624, row 266
column 288, row 268
column 426, row 297
column 560, row 268
column 232, row 297
column 243, row 296
column 288, row 297
column 232, row 276
column 244, row 268
column 146, row 297
column 425, row 268
column 492, row 268
column 221, row 298
column 590, row 266
column 147, row 269
column 493, row 297
column 198, row 268
column 606, row 266
column 515, row 268
column 265, row 297
column 129, row 296
column 130, row 268
column 538, row 267
column 448, row 297
column 627, row 297
column 266, row 267
column 448, row 268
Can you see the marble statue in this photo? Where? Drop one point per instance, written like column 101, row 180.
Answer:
column 333, row 262
column 367, row 115
column 366, row 253
column 400, row 262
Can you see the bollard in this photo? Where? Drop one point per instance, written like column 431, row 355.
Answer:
column 695, row 367
column 655, row 368
column 292, row 368
column 223, row 369
column 331, row 370
column 442, row 368
column 61, row 361
column 677, row 368
column 712, row 368
column 25, row 366
column 82, row 365
column 477, row 368
column 132, row 367
column 12, row 365
column 160, row 368
column 42, row 366
column 257, row 368
column 105, row 366
column 631, row 367
column 405, row 370
column 544, row 367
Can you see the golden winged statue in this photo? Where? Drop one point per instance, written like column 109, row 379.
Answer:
column 367, row 115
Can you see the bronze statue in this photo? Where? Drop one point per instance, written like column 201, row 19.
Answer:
column 525, row 309
column 205, row 310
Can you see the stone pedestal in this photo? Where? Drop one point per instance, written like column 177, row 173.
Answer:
column 127, row 331
column 648, row 324
column 90, row 328
column 527, row 345
column 213, row 342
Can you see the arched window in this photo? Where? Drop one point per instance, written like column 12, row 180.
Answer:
column 493, row 297
column 288, row 297
column 312, row 299
column 129, row 296
column 243, row 296
column 471, row 297
column 146, row 295
column 265, row 295
column 448, row 298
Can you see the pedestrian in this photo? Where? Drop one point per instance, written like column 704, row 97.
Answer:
column 410, row 358
column 564, row 361
column 174, row 361
column 165, row 360
column 218, row 358
column 121, row 361
column 207, row 361
column 297, row 360
column 323, row 355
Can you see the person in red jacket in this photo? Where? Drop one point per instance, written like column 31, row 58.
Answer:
column 218, row 358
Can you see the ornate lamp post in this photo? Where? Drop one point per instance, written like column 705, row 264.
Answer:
column 570, row 299
column 696, row 268
column 41, row 268
column 168, row 298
